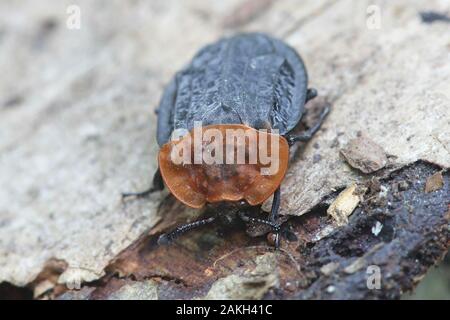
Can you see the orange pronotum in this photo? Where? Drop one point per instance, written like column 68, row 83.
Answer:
column 198, row 184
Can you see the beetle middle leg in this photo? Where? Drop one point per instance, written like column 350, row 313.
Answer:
column 308, row 134
column 157, row 185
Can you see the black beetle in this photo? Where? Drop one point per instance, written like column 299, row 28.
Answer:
column 251, row 81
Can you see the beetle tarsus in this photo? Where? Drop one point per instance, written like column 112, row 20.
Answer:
column 277, row 240
column 167, row 238
column 157, row 185
column 275, row 226
column 307, row 135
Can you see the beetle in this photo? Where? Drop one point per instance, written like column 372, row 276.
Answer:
column 250, row 81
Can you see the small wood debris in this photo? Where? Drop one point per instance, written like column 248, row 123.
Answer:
column 42, row 288
column 331, row 289
column 329, row 268
column 355, row 266
column 434, row 182
column 376, row 229
column 364, row 154
column 343, row 206
column 323, row 233
column 403, row 185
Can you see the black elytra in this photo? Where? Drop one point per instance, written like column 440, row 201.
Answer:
column 251, row 79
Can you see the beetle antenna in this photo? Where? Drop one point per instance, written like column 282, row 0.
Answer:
column 167, row 238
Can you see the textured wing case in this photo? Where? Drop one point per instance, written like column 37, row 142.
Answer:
column 251, row 79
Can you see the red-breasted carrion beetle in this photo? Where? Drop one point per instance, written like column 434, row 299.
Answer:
column 246, row 92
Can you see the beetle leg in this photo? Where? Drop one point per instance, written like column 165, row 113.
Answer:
column 308, row 134
column 311, row 93
column 274, row 215
column 272, row 221
column 275, row 206
column 166, row 238
column 157, row 185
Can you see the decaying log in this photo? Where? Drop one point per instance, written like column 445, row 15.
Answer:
column 226, row 263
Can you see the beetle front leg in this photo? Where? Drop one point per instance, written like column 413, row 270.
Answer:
column 157, row 185
column 274, row 215
column 307, row 135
